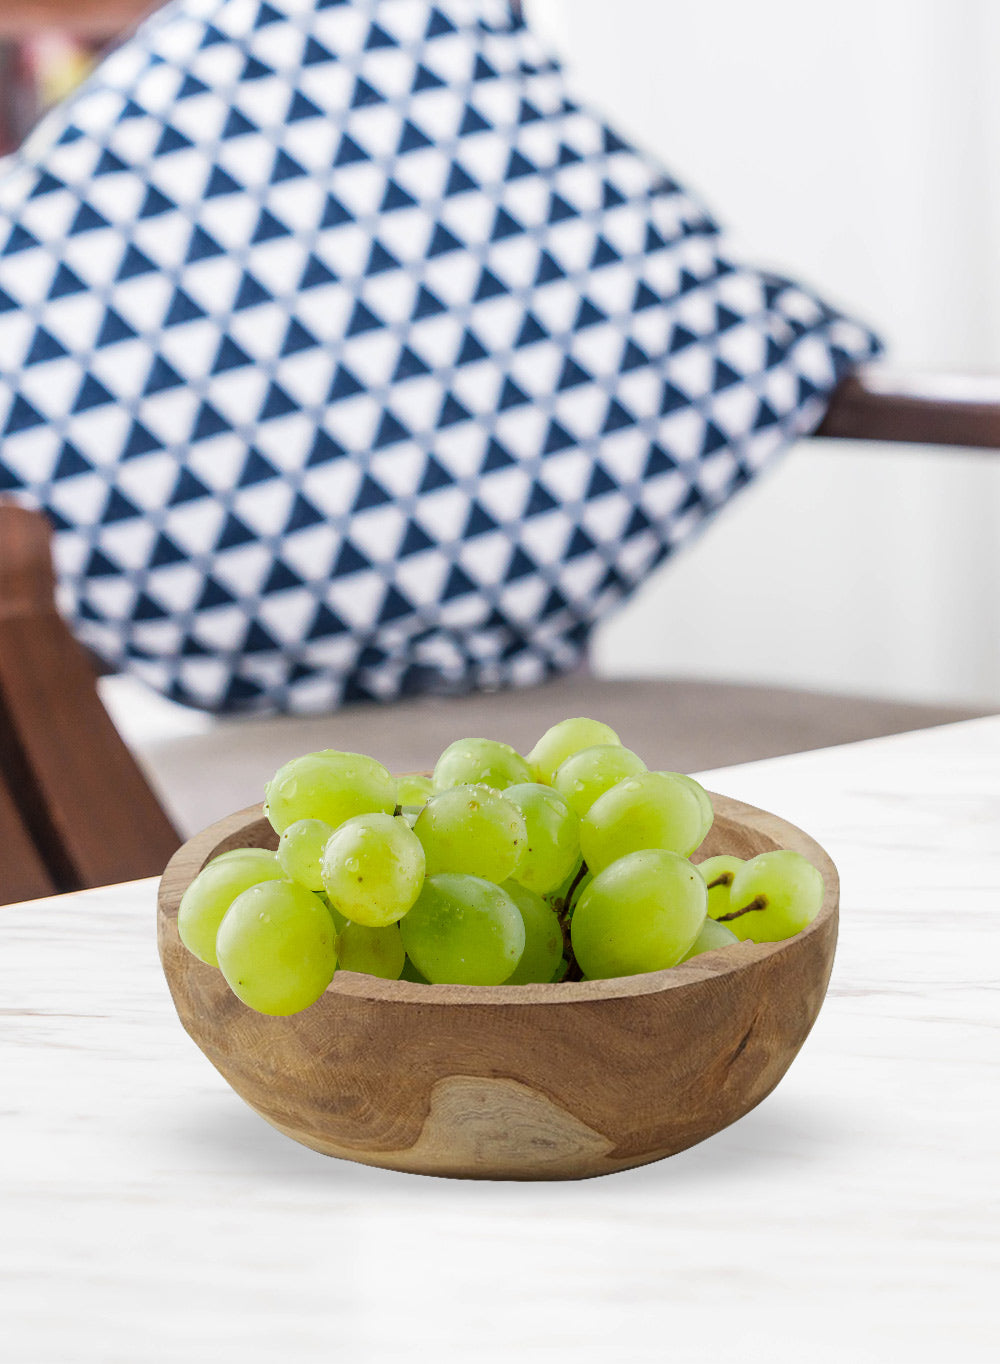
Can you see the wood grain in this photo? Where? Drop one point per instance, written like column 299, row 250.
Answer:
column 515, row 1082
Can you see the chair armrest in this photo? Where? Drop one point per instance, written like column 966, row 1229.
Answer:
column 874, row 403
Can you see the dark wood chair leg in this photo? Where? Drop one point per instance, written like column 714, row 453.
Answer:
column 89, row 810
column 23, row 874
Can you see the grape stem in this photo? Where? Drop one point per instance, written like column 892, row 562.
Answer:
column 563, row 909
column 758, row 903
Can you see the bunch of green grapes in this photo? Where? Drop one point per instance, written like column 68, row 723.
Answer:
column 570, row 862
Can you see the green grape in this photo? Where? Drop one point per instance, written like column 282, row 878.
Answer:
column 642, row 913
column 463, row 931
column 474, row 830
column 339, row 922
column 712, row 936
column 474, row 762
column 589, row 773
column 773, row 896
column 704, row 800
column 651, row 810
column 300, row 851
column 372, row 951
column 373, row 868
column 331, row 786
column 234, row 855
column 543, row 937
column 410, row 972
column 277, row 947
column 559, row 741
column 718, row 873
column 412, row 789
column 552, row 837
column 206, row 900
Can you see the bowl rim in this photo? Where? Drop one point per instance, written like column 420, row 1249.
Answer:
column 709, row 966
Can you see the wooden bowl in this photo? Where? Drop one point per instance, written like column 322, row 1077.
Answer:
column 515, row 1081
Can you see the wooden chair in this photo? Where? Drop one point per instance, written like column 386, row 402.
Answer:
column 75, row 808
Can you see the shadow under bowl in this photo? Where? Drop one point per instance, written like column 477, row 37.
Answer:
column 515, row 1081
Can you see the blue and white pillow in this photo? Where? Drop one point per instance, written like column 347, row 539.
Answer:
column 352, row 358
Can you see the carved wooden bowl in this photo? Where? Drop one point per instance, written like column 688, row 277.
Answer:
column 515, row 1081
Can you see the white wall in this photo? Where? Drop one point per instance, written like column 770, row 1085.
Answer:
column 858, row 147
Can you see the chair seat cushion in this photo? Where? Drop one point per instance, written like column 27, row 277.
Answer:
column 204, row 766
column 353, row 358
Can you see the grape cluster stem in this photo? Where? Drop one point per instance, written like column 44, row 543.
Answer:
column 758, row 903
column 564, row 915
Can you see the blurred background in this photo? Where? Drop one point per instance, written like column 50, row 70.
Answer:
column 855, row 148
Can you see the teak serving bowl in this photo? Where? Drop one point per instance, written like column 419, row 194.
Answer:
column 515, row 1081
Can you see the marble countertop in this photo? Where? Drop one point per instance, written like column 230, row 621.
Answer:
column 147, row 1215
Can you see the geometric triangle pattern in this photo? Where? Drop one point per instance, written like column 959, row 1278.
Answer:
column 351, row 357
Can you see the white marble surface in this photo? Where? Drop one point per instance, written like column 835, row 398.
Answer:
column 147, row 1215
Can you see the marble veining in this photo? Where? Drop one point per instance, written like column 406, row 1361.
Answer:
column 147, row 1215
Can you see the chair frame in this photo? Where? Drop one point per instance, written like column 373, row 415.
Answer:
column 76, row 809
